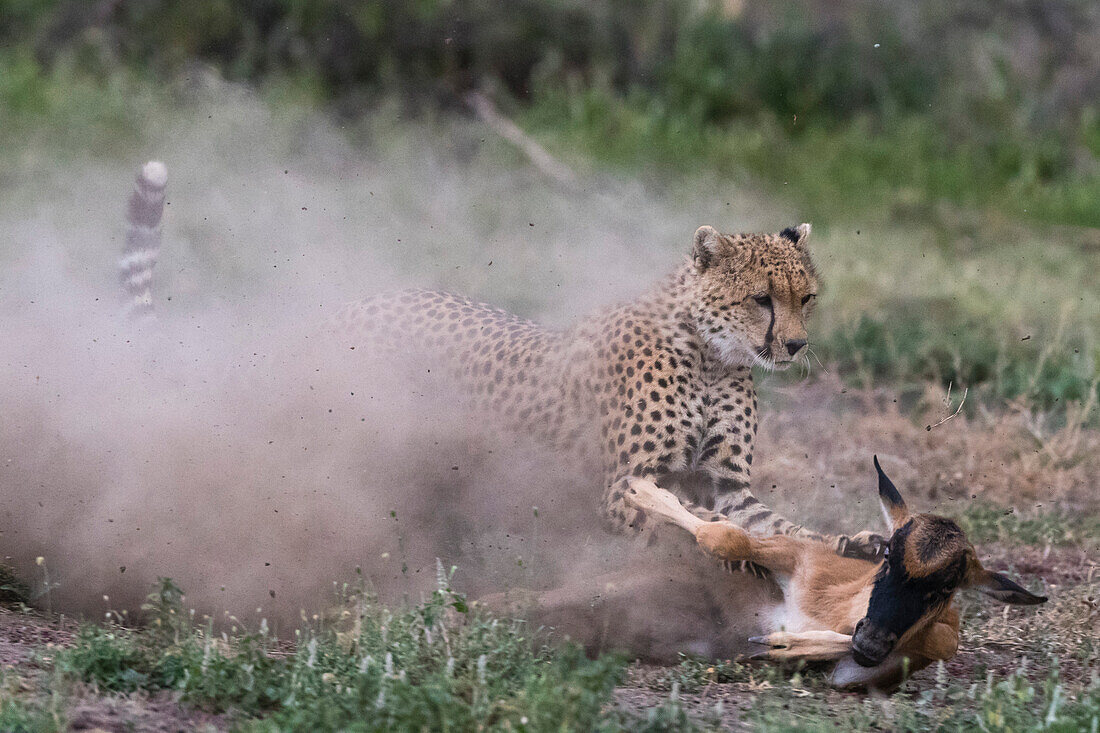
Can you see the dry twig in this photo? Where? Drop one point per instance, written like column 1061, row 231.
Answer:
column 957, row 409
column 510, row 131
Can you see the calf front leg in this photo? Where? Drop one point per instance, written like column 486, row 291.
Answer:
column 809, row 646
column 939, row 640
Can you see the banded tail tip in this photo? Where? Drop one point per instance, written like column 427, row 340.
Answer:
column 143, row 217
column 155, row 174
column 147, row 200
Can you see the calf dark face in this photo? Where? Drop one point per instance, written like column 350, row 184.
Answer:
column 925, row 564
column 927, row 560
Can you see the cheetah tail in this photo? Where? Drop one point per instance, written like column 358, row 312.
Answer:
column 135, row 266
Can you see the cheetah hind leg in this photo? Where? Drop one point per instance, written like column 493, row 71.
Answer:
column 627, row 517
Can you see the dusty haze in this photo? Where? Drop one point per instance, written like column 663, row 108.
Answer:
column 228, row 448
column 224, row 446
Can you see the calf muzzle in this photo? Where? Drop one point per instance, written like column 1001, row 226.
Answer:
column 870, row 644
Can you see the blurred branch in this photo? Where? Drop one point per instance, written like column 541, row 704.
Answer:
column 550, row 166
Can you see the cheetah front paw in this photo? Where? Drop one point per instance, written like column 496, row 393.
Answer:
column 864, row 546
column 744, row 566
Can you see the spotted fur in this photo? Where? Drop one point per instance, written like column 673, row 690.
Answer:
column 658, row 388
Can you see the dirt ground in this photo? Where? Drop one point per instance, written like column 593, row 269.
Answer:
column 993, row 638
column 996, row 642
column 815, row 447
column 27, row 642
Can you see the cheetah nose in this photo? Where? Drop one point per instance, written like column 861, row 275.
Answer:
column 794, row 345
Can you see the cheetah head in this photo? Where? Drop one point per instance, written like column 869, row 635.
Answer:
column 753, row 293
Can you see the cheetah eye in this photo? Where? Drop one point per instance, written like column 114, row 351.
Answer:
column 764, row 300
column 808, row 298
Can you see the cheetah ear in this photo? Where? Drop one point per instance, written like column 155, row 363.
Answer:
column 705, row 247
column 798, row 235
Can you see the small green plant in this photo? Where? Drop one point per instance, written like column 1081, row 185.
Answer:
column 13, row 591
column 164, row 612
column 17, row 716
column 694, row 673
column 112, row 658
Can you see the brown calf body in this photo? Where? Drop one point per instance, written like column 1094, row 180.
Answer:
column 878, row 620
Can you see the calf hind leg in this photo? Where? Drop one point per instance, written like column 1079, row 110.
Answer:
column 720, row 539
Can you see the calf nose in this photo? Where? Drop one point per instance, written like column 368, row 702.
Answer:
column 795, row 345
column 870, row 644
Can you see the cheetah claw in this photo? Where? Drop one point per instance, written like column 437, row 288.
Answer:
column 863, row 546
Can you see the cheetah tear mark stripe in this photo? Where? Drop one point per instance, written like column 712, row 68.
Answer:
column 143, row 215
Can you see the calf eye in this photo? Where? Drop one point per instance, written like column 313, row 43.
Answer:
column 764, row 300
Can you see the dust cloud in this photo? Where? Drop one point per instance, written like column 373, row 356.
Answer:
column 231, row 448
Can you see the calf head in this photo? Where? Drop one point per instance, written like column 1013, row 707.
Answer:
column 927, row 559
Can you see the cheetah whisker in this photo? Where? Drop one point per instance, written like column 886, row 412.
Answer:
column 760, row 359
column 810, row 352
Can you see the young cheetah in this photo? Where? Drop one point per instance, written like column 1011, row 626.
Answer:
column 659, row 388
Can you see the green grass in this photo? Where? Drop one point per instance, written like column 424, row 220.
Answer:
column 904, row 165
column 70, row 106
column 910, row 343
column 868, row 108
column 1032, row 697
column 388, row 671
column 443, row 666
column 439, row 665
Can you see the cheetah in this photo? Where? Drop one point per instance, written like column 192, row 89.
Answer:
column 660, row 388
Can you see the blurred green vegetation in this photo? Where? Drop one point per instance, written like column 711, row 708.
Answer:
column 985, row 522
column 908, row 346
column 851, row 106
column 972, row 126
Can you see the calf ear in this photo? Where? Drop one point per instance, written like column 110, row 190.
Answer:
column 893, row 506
column 1004, row 590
